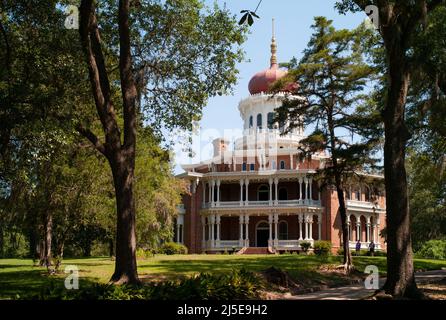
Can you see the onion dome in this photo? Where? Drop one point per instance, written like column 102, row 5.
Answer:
column 262, row 80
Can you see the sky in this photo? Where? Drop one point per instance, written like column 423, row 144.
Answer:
column 293, row 20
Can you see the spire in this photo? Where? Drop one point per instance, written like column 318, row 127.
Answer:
column 273, row 49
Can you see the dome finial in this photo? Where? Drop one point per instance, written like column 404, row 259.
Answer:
column 273, row 49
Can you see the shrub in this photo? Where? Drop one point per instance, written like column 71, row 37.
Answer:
column 171, row 248
column 142, row 253
column 433, row 249
column 322, row 248
column 305, row 246
column 239, row 285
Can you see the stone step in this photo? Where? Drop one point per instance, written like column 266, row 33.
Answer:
column 254, row 250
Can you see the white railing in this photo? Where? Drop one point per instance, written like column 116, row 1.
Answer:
column 257, row 203
column 228, row 204
column 362, row 204
column 228, row 243
column 280, row 203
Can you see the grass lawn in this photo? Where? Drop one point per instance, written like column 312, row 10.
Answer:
column 18, row 276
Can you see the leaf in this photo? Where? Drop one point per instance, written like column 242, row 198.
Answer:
column 250, row 20
column 243, row 19
column 255, row 14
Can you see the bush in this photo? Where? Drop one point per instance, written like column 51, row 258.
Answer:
column 171, row 248
column 433, row 249
column 238, row 285
column 322, row 248
column 142, row 253
column 305, row 246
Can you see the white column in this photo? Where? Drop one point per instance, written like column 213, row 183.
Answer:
column 358, row 230
column 210, row 193
column 218, row 230
column 301, row 219
column 213, row 231
column 306, row 226
column 276, row 236
column 178, row 233
column 300, row 190
column 310, row 226
column 306, row 190
column 270, row 191
column 319, row 226
column 218, row 193
column 203, row 224
column 241, row 218
column 310, row 184
column 213, row 193
column 209, row 231
column 276, row 182
column 247, row 193
column 204, row 194
column 377, row 230
column 368, row 227
column 270, row 222
column 242, row 182
column 247, row 230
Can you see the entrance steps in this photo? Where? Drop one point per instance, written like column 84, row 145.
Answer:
column 255, row 250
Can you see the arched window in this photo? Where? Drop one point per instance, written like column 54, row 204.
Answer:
column 252, row 167
column 244, row 166
column 283, row 230
column 263, row 193
column 367, row 194
column 251, row 120
column 259, row 121
column 357, row 193
column 271, row 116
column 282, row 165
column 283, row 194
column 273, row 164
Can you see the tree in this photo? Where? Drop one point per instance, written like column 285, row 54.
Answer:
column 399, row 21
column 153, row 75
column 331, row 79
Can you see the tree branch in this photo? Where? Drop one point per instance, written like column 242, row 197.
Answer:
column 128, row 87
column 87, row 133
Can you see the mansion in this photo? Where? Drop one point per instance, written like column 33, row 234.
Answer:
column 258, row 195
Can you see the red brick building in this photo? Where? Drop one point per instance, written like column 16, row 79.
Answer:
column 260, row 193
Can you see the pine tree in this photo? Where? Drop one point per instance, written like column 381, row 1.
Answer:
column 331, row 95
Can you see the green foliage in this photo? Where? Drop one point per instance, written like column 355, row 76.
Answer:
column 322, row 248
column 305, row 245
column 235, row 285
column 171, row 248
column 142, row 253
column 427, row 191
column 433, row 249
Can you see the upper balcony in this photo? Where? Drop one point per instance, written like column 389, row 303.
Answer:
column 262, row 204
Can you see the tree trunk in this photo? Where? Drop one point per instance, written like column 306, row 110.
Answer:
column 348, row 263
column 123, row 168
column 111, row 247
column 400, row 272
column 2, row 243
column 45, row 255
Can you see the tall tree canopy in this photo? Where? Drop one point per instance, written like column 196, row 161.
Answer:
column 331, row 95
column 399, row 23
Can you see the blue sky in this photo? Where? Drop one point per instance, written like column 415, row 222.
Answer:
column 293, row 20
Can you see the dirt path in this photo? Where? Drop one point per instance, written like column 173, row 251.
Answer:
column 358, row 291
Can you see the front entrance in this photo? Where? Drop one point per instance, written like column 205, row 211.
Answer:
column 262, row 234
